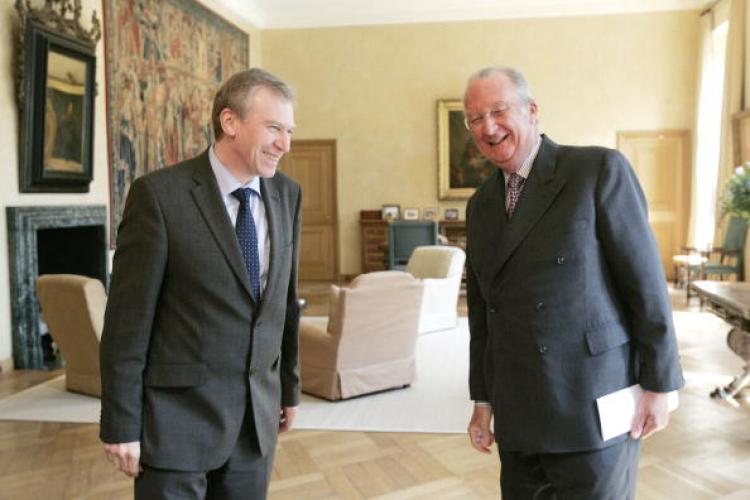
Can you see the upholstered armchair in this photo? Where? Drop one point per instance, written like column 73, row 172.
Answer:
column 73, row 308
column 440, row 268
column 367, row 343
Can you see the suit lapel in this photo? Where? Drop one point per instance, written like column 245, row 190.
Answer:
column 208, row 198
column 493, row 210
column 538, row 193
column 272, row 202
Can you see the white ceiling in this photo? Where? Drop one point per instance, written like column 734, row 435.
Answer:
column 276, row 14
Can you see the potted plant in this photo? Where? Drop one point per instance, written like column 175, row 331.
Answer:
column 737, row 193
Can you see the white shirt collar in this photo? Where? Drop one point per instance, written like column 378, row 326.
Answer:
column 227, row 182
column 525, row 168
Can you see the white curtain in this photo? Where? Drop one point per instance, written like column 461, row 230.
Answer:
column 707, row 148
column 734, row 84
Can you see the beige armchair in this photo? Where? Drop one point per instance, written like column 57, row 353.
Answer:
column 73, row 308
column 440, row 268
column 367, row 342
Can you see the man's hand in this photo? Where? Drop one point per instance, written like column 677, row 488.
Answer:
column 480, row 435
column 288, row 413
column 125, row 456
column 651, row 415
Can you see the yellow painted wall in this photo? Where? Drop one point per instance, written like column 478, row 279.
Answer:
column 374, row 89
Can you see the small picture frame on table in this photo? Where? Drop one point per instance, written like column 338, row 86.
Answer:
column 430, row 213
column 391, row 212
column 450, row 214
column 411, row 214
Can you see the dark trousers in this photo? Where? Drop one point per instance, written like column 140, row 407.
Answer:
column 244, row 476
column 605, row 474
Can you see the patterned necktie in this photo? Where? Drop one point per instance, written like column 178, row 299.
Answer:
column 515, row 182
column 247, row 237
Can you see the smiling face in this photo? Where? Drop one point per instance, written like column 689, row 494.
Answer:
column 502, row 124
column 253, row 145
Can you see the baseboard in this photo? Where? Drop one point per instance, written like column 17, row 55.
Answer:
column 6, row 365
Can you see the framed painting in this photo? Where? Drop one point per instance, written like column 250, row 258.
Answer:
column 411, row 214
column 56, row 97
column 161, row 83
column 461, row 167
column 430, row 213
column 391, row 212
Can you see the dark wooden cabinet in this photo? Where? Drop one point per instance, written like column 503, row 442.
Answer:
column 374, row 236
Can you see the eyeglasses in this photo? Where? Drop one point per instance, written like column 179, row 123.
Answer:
column 475, row 121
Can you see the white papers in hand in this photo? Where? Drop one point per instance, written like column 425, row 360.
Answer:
column 616, row 410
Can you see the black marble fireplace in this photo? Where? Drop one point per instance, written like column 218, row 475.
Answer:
column 49, row 240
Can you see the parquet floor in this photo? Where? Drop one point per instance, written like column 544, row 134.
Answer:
column 705, row 453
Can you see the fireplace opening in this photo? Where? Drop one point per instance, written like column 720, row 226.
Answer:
column 72, row 250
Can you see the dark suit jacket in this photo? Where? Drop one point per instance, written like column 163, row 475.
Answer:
column 185, row 348
column 567, row 300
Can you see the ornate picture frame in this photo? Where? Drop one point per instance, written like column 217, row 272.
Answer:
column 461, row 168
column 55, row 76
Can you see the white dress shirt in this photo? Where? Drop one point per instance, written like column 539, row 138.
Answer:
column 227, row 185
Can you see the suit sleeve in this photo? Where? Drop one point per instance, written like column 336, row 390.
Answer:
column 633, row 260
column 478, row 389
column 290, row 341
column 137, row 274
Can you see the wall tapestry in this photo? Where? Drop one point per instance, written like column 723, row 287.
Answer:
column 164, row 62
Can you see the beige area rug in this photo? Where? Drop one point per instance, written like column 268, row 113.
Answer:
column 437, row 402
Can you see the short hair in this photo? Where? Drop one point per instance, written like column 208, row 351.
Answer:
column 235, row 93
column 520, row 84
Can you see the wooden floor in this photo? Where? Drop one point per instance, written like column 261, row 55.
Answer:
column 705, row 453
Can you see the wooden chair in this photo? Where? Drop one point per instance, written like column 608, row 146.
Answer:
column 724, row 261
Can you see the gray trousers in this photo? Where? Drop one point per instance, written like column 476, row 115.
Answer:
column 606, row 474
column 244, row 476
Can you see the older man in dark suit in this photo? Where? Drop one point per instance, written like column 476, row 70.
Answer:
column 567, row 302
column 199, row 350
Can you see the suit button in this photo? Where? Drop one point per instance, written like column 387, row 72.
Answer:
column 542, row 349
column 492, row 310
column 560, row 261
column 539, row 306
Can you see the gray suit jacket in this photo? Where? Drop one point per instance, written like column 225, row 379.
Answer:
column 185, row 349
column 567, row 300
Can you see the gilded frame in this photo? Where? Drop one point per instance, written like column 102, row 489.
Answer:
column 461, row 168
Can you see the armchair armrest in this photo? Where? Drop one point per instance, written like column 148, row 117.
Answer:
column 317, row 346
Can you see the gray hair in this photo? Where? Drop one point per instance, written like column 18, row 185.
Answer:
column 520, row 84
column 236, row 92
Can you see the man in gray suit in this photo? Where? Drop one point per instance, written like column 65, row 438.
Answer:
column 199, row 350
column 567, row 302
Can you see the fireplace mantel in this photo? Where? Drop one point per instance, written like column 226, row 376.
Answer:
column 23, row 224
